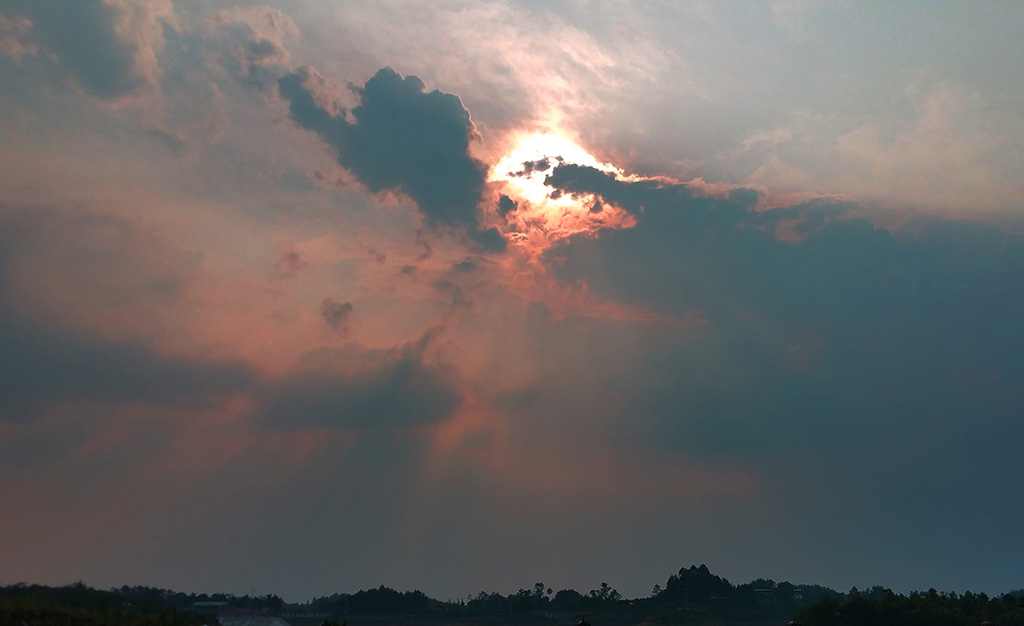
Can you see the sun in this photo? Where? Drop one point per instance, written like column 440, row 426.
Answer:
column 534, row 158
column 543, row 215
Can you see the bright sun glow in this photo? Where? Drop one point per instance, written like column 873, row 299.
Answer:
column 534, row 158
column 541, row 214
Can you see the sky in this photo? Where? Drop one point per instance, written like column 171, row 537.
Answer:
column 308, row 297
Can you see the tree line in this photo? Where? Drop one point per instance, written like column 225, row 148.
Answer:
column 80, row 605
column 882, row 607
column 693, row 595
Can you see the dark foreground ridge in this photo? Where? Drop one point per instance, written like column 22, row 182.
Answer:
column 693, row 596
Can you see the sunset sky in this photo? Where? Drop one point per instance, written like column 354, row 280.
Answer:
column 311, row 296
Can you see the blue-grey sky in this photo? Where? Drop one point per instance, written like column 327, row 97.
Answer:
column 306, row 297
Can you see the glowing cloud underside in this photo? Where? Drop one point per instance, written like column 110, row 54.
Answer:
column 543, row 215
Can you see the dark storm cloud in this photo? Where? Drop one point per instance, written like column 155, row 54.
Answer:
column 506, row 205
column 870, row 379
column 402, row 138
column 489, row 240
column 540, row 165
column 82, row 35
column 41, row 366
column 855, row 331
column 635, row 196
column 373, row 389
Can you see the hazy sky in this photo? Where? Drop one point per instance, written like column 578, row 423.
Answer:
column 310, row 296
